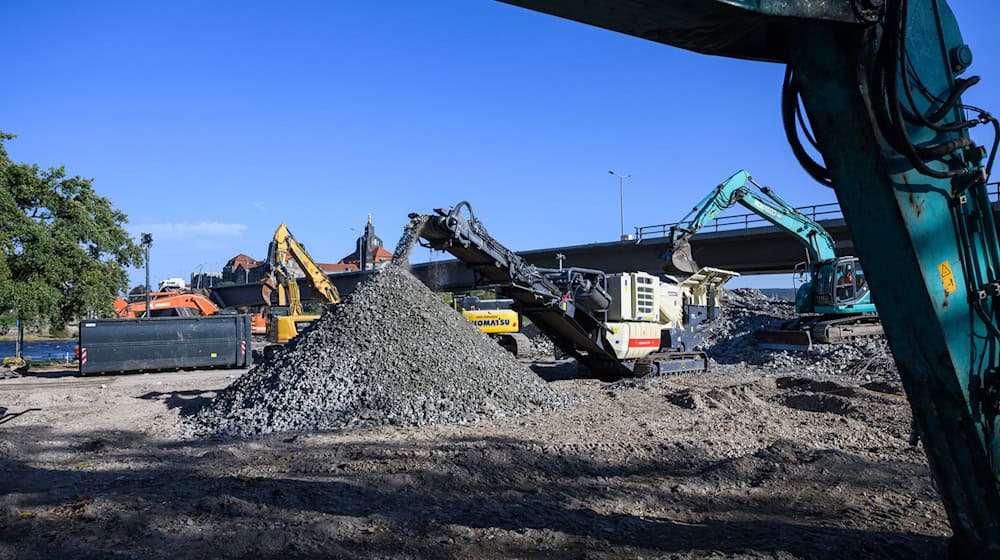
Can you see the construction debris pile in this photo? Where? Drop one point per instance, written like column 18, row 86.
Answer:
column 541, row 345
column 748, row 310
column 391, row 353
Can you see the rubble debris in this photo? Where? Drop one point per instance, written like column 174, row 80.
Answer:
column 410, row 237
column 391, row 353
column 747, row 310
column 541, row 345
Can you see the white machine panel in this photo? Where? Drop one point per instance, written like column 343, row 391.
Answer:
column 634, row 297
column 633, row 340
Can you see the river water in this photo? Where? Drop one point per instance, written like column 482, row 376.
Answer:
column 41, row 349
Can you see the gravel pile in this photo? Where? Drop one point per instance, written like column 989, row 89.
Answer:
column 541, row 345
column 747, row 310
column 391, row 353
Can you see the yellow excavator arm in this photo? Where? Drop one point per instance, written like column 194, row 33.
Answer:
column 285, row 245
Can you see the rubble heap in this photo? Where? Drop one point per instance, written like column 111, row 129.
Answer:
column 747, row 310
column 541, row 345
column 391, row 353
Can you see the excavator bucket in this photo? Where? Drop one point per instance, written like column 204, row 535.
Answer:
column 779, row 339
column 678, row 260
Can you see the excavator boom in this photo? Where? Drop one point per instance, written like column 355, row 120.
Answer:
column 818, row 242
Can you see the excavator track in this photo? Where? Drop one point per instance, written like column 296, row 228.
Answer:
column 802, row 334
column 664, row 363
column 844, row 329
column 517, row 344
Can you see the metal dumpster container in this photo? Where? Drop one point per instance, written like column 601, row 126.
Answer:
column 164, row 343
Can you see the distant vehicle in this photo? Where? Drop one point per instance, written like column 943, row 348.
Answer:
column 172, row 285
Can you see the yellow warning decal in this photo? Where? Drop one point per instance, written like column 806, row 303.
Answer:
column 947, row 278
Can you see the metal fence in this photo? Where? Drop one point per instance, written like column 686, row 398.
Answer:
column 828, row 211
column 817, row 212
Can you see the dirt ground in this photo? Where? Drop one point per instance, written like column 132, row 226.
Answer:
column 736, row 463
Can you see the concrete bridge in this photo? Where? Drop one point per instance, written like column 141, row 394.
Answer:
column 744, row 243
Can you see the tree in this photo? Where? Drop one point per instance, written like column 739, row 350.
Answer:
column 65, row 250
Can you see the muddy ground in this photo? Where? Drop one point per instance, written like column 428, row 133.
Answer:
column 742, row 462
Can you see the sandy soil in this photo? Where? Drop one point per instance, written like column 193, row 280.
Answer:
column 731, row 464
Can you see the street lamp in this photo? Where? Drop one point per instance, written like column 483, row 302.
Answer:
column 621, row 199
column 201, row 275
column 147, row 242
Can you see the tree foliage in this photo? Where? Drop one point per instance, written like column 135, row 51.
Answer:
column 65, row 250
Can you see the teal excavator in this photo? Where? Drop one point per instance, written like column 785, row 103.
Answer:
column 834, row 303
column 880, row 84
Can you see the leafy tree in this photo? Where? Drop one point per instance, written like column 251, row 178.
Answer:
column 65, row 250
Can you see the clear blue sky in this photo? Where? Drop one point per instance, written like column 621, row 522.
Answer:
column 209, row 123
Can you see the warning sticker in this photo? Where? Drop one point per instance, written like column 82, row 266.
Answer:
column 947, row 278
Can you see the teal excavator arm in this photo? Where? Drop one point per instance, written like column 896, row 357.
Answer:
column 735, row 190
column 880, row 83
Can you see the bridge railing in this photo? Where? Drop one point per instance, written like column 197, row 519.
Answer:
column 818, row 212
column 828, row 211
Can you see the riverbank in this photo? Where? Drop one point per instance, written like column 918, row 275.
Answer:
column 36, row 338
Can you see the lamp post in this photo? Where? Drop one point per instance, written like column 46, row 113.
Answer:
column 621, row 199
column 147, row 242
column 201, row 275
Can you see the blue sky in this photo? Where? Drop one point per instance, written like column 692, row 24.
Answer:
column 211, row 123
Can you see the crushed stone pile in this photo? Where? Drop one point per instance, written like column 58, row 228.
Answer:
column 747, row 310
column 391, row 353
column 541, row 345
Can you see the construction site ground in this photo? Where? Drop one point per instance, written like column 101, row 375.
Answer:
column 743, row 462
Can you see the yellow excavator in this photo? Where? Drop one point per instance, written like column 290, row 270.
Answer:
column 497, row 318
column 286, row 319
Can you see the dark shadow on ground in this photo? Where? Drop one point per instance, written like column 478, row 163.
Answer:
column 52, row 373
column 555, row 370
column 189, row 402
column 127, row 494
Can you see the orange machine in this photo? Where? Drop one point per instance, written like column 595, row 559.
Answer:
column 167, row 304
column 258, row 323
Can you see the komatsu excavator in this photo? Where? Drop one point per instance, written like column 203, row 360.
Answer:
column 834, row 303
column 614, row 325
column 497, row 318
column 286, row 319
column 880, row 83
